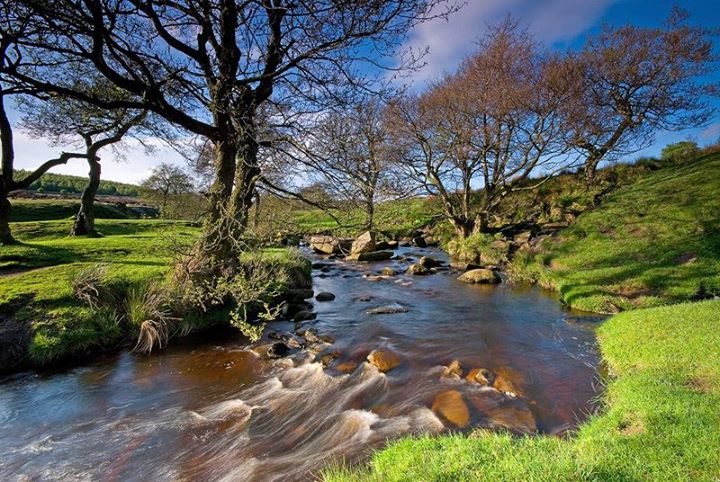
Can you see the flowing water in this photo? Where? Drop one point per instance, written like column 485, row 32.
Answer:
column 214, row 410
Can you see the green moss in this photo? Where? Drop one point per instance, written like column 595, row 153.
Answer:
column 649, row 243
column 659, row 423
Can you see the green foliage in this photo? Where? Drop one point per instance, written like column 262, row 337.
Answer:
column 477, row 248
column 649, row 243
column 63, row 183
column 658, row 423
column 680, row 152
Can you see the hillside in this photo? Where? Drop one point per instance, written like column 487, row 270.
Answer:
column 654, row 241
column 66, row 184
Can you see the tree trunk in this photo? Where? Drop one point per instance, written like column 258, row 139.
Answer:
column 5, row 233
column 85, row 220
column 463, row 227
column 369, row 214
column 481, row 223
column 247, row 172
column 215, row 235
column 590, row 169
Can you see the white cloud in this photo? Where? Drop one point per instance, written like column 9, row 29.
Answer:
column 132, row 166
column 550, row 21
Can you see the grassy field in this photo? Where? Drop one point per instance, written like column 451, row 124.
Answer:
column 653, row 242
column 24, row 210
column 36, row 277
column 660, row 420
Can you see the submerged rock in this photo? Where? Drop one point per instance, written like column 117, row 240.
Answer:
column 325, row 296
column 451, row 406
column 383, row 360
column 277, row 350
column 304, row 315
column 483, row 376
column 453, row 370
column 388, row 271
column 346, row 367
column 417, row 270
column 480, row 276
column 388, row 309
column 370, row 256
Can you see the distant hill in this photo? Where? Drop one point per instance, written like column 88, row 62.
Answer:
column 65, row 184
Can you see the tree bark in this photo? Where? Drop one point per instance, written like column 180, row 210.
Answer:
column 463, row 227
column 247, row 173
column 5, row 233
column 85, row 220
column 369, row 213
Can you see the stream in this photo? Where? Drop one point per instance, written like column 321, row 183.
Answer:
column 212, row 409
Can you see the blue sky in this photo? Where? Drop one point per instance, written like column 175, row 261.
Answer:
column 557, row 23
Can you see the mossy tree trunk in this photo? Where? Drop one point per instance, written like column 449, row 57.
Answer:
column 85, row 220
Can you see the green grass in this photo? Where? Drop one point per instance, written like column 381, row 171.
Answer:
column 661, row 420
column 56, row 209
column 653, row 242
column 393, row 217
column 36, row 285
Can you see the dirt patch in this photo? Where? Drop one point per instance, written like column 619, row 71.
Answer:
column 702, row 384
column 15, row 337
column 632, row 427
column 686, row 258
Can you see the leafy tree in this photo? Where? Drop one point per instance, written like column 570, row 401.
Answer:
column 166, row 183
column 679, row 152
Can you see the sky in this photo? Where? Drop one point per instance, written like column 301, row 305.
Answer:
column 559, row 24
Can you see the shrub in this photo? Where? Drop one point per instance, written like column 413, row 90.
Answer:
column 680, row 152
column 147, row 309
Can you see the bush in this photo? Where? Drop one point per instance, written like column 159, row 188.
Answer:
column 680, row 152
column 476, row 248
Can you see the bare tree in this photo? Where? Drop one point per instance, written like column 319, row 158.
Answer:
column 634, row 81
column 474, row 135
column 65, row 120
column 348, row 155
column 211, row 66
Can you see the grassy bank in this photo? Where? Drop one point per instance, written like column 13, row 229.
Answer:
column 652, row 242
column 24, row 210
column 40, row 317
column 660, row 420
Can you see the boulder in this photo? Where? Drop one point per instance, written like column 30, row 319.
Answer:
column 430, row 241
column 327, row 358
column 370, row 256
column 523, row 237
column 325, row 296
column 299, row 294
column 419, row 242
column 324, row 244
column 383, row 360
column 388, row 271
column 463, row 266
column 500, row 245
column 480, row 276
column 387, row 310
column 428, row 262
column 304, row 315
column 483, row 376
column 417, row 270
column 392, row 244
column 364, row 243
column 277, row 350
column 382, row 246
column 451, row 406
column 453, row 370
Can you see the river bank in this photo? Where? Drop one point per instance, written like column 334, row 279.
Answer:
column 658, row 421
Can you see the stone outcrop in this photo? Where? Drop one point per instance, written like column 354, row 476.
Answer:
column 480, row 276
column 417, row 269
column 365, row 243
column 329, row 244
column 325, row 296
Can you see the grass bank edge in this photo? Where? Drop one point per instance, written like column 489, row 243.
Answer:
column 39, row 299
column 659, row 420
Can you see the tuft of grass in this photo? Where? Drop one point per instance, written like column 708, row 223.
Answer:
column 660, row 421
column 653, row 242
